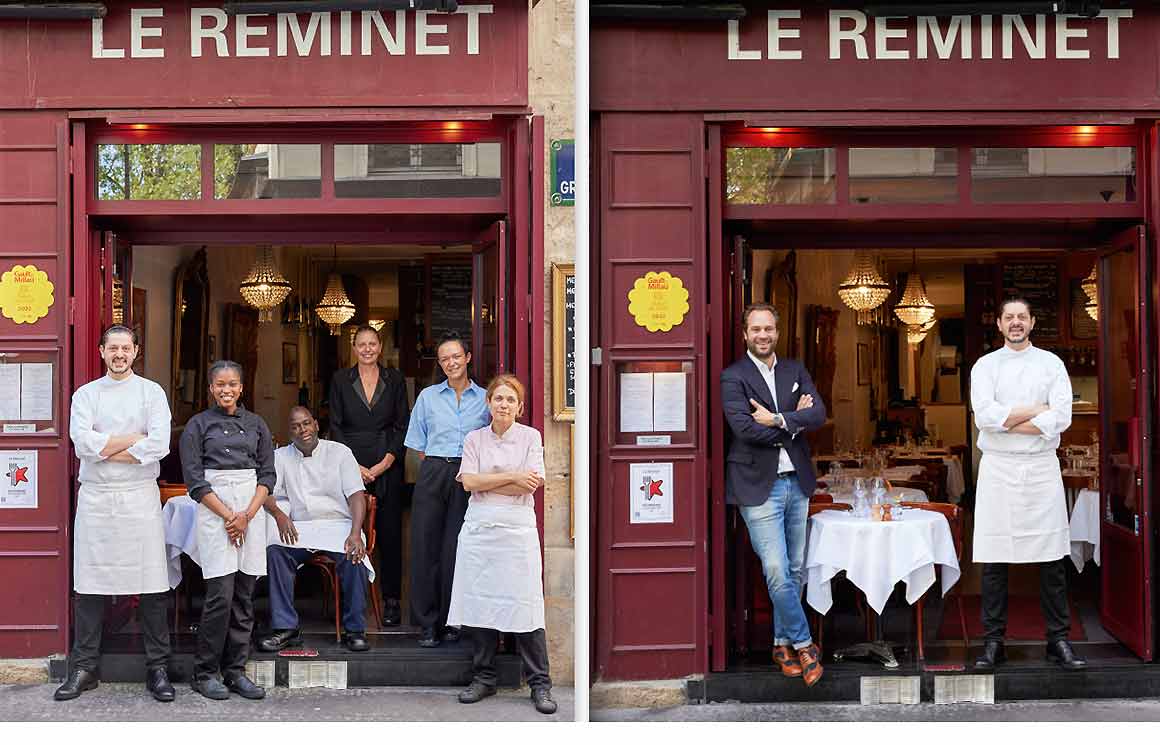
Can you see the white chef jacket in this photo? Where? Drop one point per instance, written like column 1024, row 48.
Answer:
column 317, row 485
column 784, row 464
column 1021, row 509
column 106, row 407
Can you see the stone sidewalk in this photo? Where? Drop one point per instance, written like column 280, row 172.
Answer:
column 113, row 702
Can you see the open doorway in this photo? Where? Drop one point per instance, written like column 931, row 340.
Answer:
column 898, row 407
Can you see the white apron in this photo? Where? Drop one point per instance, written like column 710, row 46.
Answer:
column 498, row 583
column 119, row 545
column 219, row 556
column 1020, row 510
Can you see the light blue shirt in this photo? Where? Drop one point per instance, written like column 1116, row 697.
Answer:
column 439, row 423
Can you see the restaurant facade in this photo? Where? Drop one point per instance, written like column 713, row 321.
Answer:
column 400, row 149
column 729, row 143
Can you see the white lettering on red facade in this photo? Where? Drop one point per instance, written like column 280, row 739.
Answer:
column 304, row 34
column 850, row 34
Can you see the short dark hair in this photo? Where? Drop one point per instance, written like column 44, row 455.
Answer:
column 1016, row 299
column 222, row 365
column 451, row 336
column 757, row 308
column 118, row 328
column 300, row 407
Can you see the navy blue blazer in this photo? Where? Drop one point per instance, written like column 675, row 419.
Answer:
column 751, row 465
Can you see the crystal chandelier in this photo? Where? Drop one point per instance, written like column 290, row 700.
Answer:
column 914, row 308
column 863, row 289
column 915, row 334
column 1090, row 287
column 335, row 307
column 119, row 302
column 376, row 324
column 264, row 287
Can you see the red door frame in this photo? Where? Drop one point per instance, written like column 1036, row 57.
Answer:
column 799, row 218
column 520, row 201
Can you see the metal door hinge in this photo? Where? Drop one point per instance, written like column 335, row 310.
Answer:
column 597, row 356
column 72, row 311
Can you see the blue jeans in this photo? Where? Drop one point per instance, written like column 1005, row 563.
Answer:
column 777, row 530
column 282, row 567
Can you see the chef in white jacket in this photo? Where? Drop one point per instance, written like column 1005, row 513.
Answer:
column 1021, row 398
column 119, row 425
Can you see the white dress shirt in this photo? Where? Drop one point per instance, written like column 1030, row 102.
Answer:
column 317, row 485
column 1006, row 379
column 107, row 407
column 784, row 464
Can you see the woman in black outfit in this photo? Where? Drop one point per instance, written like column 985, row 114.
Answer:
column 369, row 414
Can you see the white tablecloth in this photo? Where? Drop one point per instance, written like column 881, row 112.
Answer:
column 1085, row 529
column 180, row 519
column 876, row 556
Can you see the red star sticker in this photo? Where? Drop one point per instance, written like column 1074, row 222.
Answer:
column 18, row 475
column 654, row 488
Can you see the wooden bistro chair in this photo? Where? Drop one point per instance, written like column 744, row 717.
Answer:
column 823, row 503
column 330, row 573
column 954, row 515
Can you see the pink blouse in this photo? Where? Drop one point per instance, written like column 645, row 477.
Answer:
column 519, row 449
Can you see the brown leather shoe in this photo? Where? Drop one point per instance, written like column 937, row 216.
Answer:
column 787, row 661
column 811, row 664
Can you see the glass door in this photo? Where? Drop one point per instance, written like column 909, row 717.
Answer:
column 489, row 303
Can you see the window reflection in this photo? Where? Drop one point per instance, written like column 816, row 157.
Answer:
column 780, row 175
column 267, row 171
column 903, row 175
column 148, row 172
column 1053, row 174
column 404, row 170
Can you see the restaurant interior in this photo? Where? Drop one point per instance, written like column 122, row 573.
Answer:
column 889, row 337
column 288, row 314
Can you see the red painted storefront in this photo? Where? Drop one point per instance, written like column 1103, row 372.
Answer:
column 668, row 97
column 181, row 72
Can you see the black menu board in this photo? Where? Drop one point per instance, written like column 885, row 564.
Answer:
column 1039, row 284
column 570, row 341
column 449, row 309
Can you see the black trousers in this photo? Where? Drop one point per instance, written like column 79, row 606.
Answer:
column 89, row 622
column 227, row 619
column 388, row 490
column 533, row 649
column 437, row 511
column 1052, row 600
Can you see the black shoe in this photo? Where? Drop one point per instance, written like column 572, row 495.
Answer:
column 451, row 634
column 211, row 688
column 475, row 692
column 542, row 698
column 78, row 682
column 1061, row 653
column 392, row 615
column 429, row 638
column 245, row 688
column 279, row 639
column 157, row 682
column 993, row 655
column 355, row 641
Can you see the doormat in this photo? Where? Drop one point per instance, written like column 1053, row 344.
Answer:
column 1024, row 619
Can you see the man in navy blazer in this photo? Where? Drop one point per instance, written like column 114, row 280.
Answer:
column 770, row 404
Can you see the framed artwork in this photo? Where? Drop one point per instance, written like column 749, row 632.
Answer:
column 289, row 362
column 864, row 363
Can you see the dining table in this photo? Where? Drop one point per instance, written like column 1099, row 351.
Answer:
column 876, row 556
column 1085, row 529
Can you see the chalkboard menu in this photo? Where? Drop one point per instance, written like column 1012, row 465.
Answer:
column 449, row 306
column 570, row 341
column 1039, row 284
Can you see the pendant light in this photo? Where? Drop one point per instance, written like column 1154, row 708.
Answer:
column 265, row 287
column 916, row 334
column 335, row 307
column 1091, row 288
column 863, row 289
column 914, row 308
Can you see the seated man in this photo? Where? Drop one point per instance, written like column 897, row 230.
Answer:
column 322, row 482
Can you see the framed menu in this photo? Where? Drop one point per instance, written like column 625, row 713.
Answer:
column 564, row 342
column 28, row 400
column 1039, row 283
